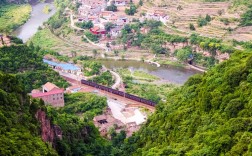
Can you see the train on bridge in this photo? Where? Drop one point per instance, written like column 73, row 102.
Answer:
column 120, row 93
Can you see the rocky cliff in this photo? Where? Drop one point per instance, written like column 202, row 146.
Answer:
column 49, row 132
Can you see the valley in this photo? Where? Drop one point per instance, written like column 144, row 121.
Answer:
column 125, row 77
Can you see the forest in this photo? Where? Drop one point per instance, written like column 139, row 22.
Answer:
column 209, row 115
column 19, row 130
column 28, row 66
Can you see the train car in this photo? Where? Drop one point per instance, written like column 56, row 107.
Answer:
column 117, row 92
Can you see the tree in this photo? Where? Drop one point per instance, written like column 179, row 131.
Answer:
column 116, row 52
column 201, row 21
column 179, row 8
column 113, row 43
column 85, row 25
column 246, row 18
column 112, row 7
column 183, row 54
column 132, row 10
column 94, row 51
column 208, row 18
column 140, row 2
column 191, row 26
column 109, row 26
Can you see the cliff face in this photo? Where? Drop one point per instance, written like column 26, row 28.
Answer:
column 49, row 132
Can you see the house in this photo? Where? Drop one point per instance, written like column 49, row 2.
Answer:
column 106, row 14
column 115, row 32
column 120, row 2
column 98, row 31
column 51, row 95
column 158, row 15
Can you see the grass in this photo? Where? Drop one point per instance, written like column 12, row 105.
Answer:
column 144, row 75
column 45, row 39
column 12, row 16
column 140, row 76
column 172, row 63
column 151, row 91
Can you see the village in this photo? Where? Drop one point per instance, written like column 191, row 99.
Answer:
column 120, row 114
column 109, row 18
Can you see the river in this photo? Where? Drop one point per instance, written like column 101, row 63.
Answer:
column 38, row 17
column 167, row 74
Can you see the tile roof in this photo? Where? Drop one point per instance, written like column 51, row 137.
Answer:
column 54, row 91
column 50, row 86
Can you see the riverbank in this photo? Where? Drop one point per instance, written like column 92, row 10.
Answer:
column 37, row 18
column 13, row 16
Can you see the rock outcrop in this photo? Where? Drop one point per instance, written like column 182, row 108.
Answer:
column 49, row 132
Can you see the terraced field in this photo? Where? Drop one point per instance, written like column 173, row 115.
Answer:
column 184, row 12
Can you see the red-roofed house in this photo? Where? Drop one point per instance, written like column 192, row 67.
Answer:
column 97, row 31
column 51, row 95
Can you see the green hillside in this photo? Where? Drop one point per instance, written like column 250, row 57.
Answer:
column 19, row 130
column 29, row 67
column 210, row 115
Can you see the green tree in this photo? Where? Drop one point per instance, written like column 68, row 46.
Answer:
column 183, row 54
column 132, row 10
column 191, row 26
column 140, row 2
column 112, row 7
column 208, row 18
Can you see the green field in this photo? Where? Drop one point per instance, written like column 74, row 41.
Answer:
column 45, row 39
column 12, row 16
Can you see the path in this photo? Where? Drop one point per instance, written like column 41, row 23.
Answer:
column 118, row 80
column 196, row 68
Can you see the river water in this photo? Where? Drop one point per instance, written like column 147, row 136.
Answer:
column 167, row 74
column 38, row 17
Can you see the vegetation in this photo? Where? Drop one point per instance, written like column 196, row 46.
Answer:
column 19, row 132
column 112, row 7
column 12, row 16
column 203, row 21
column 209, row 115
column 28, row 66
column 91, row 36
column 246, row 19
column 46, row 9
column 85, row 25
column 44, row 39
column 184, row 53
column 105, row 78
column 86, row 104
column 192, row 27
column 132, row 10
column 136, row 85
column 91, row 68
column 144, row 76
